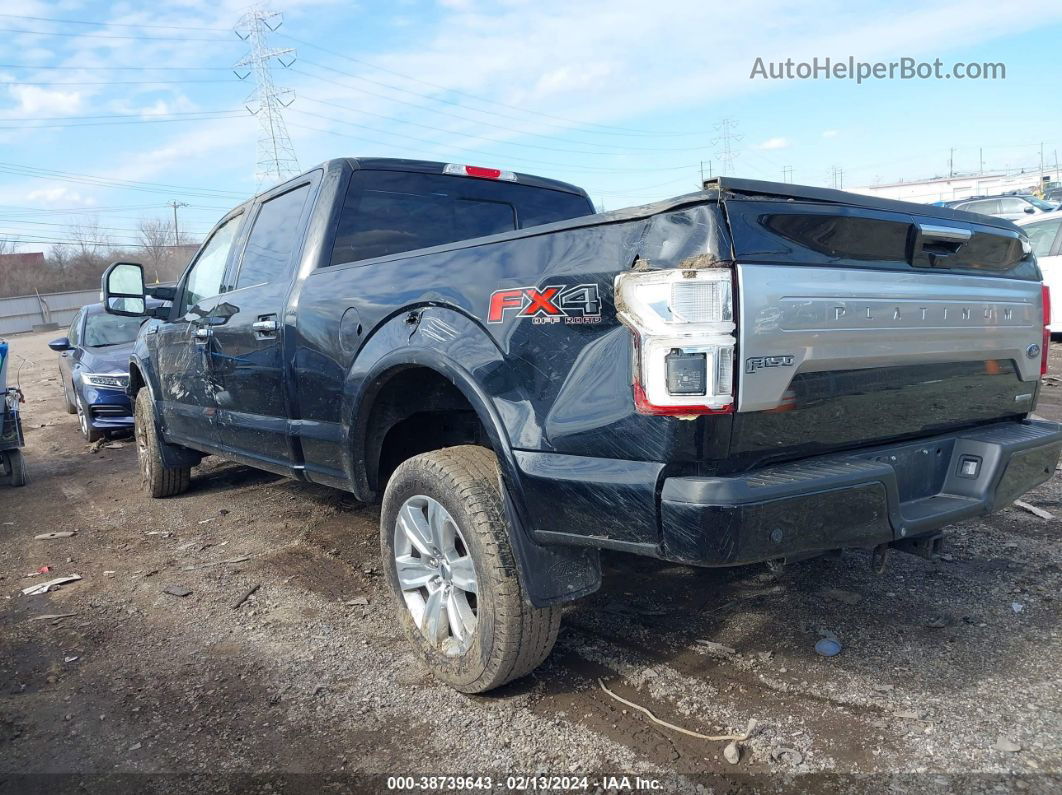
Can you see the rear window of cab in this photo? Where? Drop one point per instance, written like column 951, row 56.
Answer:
column 391, row 212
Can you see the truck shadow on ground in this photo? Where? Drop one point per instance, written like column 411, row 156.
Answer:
column 922, row 634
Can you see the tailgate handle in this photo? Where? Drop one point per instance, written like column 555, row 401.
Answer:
column 938, row 241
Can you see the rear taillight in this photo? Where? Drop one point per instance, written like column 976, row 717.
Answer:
column 479, row 171
column 1046, row 350
column 683, row 325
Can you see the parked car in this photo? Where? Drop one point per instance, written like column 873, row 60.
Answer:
column 1045, row 236
column 1053, row 195
column 94, row 369
column 753, row 372
column 1009, row 206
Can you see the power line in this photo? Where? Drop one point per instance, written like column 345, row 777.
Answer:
column 609, row 129
column 449, row 148
column 493, row 113
column 76, row 68
column 140, row 116
column 106, row 82
column 109, row 182
column 435, row 128
column 93, row 36
column 123, row 231
column 276, row 154
column 111, row 24
column 42, row 241
column 117, row 123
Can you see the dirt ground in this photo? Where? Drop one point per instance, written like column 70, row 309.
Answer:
column 950, row 676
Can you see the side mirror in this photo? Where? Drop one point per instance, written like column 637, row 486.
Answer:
column 162, row 293
column 60, row 345
column 1030, row 210
column 123, row 289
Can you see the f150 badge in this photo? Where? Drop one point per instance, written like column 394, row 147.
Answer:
column 754, row 363
column 580, row 303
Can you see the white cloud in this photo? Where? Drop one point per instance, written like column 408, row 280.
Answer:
column 515, row 51
column 830, row 133
column 60, row 196
column 37, row 101
column 774, row 143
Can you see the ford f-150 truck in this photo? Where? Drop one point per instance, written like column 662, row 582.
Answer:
column 755, row 372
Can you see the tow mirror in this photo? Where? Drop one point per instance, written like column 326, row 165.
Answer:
column 61, row 344
column 123, row 289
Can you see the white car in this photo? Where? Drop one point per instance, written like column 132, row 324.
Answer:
column 1012, row 206
column 1045, row 234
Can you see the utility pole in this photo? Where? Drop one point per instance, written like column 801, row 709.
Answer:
column 981, row 159
column 1041, row 159
column 276, row 154
column 176, row 237
column 837, row 177
column 787, row 173
column 728, row 137
column 951, row 162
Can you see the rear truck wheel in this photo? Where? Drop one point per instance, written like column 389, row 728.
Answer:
column 447, row 558
column 90, row 433
column 159, row 480
column 16, row 466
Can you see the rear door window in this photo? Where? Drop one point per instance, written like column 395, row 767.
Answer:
column 986, row 207
column 390, row 212
column 273, row 239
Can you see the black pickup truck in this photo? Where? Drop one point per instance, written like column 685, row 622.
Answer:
column 753, row 372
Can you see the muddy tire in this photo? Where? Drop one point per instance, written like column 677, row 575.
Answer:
column 16, row 466
column 159, row 480
column 447, row 558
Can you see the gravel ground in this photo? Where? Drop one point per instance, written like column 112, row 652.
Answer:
column 949, row 678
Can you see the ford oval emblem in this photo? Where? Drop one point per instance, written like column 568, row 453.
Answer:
column 1032, row 351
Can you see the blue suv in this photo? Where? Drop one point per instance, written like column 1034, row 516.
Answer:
column 94, row 369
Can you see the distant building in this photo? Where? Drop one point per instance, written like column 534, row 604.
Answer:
column 957, row 187
column 22, row 260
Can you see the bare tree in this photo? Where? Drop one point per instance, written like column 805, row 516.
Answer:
column 59, row 256
column 154, row 235
column 89, row 239
column 6, row 246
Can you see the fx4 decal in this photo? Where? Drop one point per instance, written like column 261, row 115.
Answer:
column 554, row 304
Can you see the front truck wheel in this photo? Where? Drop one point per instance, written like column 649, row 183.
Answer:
column 447, row 557
column 159, row 480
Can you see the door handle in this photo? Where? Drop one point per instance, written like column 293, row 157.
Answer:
column 266, row 326
column 202, row 335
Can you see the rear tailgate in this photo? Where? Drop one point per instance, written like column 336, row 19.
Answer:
column 865, row 321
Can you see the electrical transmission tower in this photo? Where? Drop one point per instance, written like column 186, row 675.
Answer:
column 728, row 137
column 276, row 155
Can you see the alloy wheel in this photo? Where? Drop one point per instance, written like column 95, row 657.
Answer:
column 436, row 574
